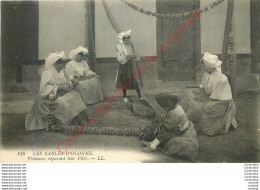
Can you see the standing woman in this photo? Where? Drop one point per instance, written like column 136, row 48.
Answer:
column 79, row 72
column 57, row 104
column 126, row 56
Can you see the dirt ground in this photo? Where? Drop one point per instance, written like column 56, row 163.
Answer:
column 240, row 145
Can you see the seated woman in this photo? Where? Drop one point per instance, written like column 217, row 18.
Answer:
column 88, row 82
column 210, row 107
column 126, row 56
column 57, row 103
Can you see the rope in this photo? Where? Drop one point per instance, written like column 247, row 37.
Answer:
column 105, row 131
column 178, row 15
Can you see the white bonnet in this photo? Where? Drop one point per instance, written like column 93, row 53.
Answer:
column 52, row 58
column 123, row 34
column 78, row 50
column 211, row 61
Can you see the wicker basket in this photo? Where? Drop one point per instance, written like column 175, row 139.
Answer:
column 142, row 108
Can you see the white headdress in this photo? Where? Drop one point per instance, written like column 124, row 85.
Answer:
column 123, row 34
column 78, row 50
column 52, row 58
column 211, row 61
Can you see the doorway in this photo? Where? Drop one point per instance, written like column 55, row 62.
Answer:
column 180, row 60
column 19, row 29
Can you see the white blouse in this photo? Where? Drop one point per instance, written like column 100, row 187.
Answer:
column 49, row 82
column 122, row 51
column 78, row 69
column 216, row 85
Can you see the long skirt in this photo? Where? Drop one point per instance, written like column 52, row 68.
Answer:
column 183, row 146
column 210, row 117
column 165, row 135
column 90, row 90
column 125, row 76
column 63, row 109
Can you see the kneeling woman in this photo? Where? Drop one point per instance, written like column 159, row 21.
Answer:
column 173, row 124
column 88, row 82
column 57, row 103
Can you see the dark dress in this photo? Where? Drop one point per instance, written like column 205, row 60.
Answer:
column 125, row 76
column 174, row 125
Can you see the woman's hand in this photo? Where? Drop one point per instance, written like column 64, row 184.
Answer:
column 163, row 116
column 70, row 85
column 97, row 76
column 74, row 82
column 128, row 57
column 63, row 87
column 53, row 105
column 137, row 58
column 158, row 120
column 193, row 86
column 89, row 76
column 55, row 97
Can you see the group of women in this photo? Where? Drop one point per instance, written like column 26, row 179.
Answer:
column 68, row 86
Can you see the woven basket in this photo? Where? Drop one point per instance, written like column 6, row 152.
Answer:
column 142, row 108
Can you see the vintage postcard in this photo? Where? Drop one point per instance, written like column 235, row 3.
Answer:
column 109, row 81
